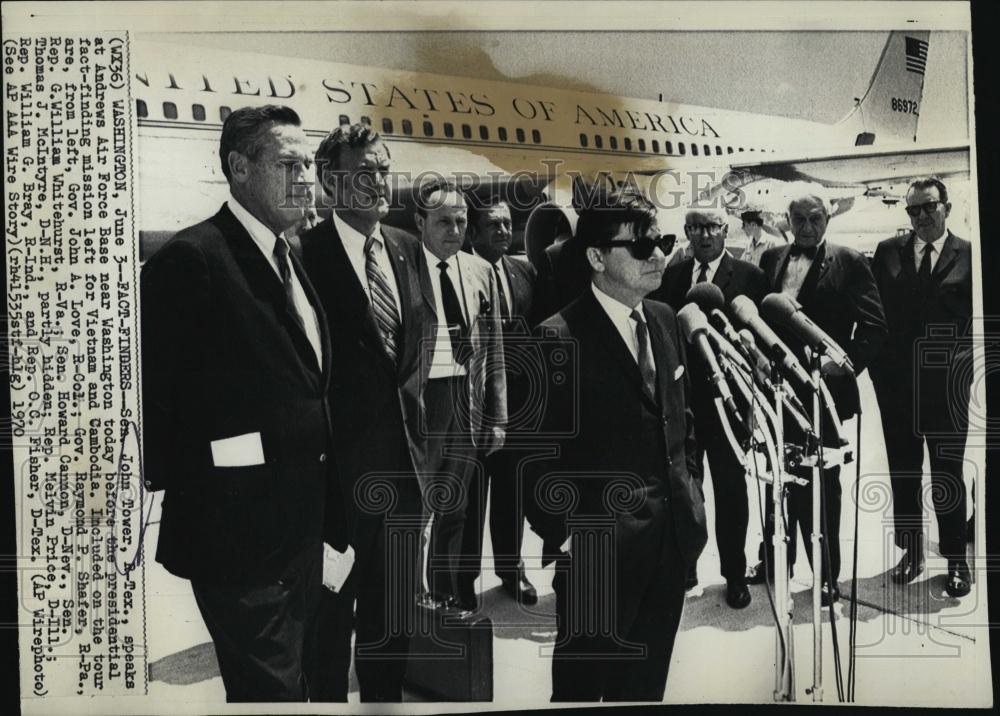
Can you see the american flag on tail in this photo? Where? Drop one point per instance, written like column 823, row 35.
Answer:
column 916, row 55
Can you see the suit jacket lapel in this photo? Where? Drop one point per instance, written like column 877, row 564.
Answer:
column 778, row 269
column 907, row 267
column 724, row 272
column 818, row 269
column 514, row 281
column 264, row 283
column 426, row 276
column 946, row 259
column 666, row 361
column 598, row 321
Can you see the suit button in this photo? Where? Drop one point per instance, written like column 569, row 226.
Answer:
column 322, row 457
column 665, row 419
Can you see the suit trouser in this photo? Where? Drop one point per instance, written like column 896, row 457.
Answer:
column 378, row 601
column 451, row 452
column 261, row 633
column 732, row 507
column 943, row 425
column 626, row 660
column 499, row 481
column 799, row 513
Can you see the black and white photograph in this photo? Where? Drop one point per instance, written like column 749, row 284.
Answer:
column 461, row 356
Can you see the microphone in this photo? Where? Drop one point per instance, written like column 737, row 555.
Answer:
column 710, row 300
column 746, row 313
column 695, row 327
column 785, row 310
column 746, row 338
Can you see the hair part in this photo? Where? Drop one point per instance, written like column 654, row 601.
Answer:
column 599, row 221
column 245, row 131
column 430, row 188
column 928, row 183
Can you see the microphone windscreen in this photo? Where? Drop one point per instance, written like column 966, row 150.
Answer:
column 692, row 321
column 777, row 307
column 746, row 336
column 743, row 309
column 707, row 295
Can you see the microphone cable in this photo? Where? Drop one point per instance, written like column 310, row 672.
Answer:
column 853, row 620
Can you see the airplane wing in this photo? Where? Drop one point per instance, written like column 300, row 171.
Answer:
column 864, row 166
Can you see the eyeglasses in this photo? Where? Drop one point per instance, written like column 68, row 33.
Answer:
column 643, row 247
column 698, row 228
column 930, row 207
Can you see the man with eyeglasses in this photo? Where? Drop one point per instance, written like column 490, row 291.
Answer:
column 925, row 280
column 836, row 290
column 706, row 230
column 620, row 507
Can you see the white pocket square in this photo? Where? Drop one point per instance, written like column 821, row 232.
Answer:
column 679, row 372
column 239, row 451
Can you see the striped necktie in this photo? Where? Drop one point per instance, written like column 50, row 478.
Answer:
column 383, row 304
column 644, row 356
column 281, row 254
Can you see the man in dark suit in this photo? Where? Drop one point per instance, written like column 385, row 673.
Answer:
column 465, row 394
column 490, row 234
column 837, row 292
column 621, row 509
column 925, row 280
column 236, row 426
column 706, row 230
column 365, row 274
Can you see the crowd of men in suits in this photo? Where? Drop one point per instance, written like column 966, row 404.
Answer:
column 349, row 393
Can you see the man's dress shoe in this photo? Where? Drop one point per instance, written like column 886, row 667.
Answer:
column 909, row 568
column 959, row 579
column 737, row 594
column 520, row 590
column 757, row 574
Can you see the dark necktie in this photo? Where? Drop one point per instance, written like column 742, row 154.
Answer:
column 924, row 272
column 645, row 357
column 453, row 316
column 383, row 305
column 807, row 251
column 281, row 254
column 504, row 309
column 702, row 274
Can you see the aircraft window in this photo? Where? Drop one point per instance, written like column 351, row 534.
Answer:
column 681, row 149
column 170, row 110
column 628, row 144
column 708, row 150
column 642, row 145
column 740, row 149
column 344, row 119
column 224, row 112
column 536, row 136
column 694, row 150
column 140, row 108
column 466, row 131
column 519, row 133
column 484, row 132
column 407, row 127
column 387, row 125
column 366, row 120
column 613, row 142
column 668, row 147
column 729, row 150
column 751, row 149
column 502, row 134
column 656, row 146
column 449, row 130
column 428, row 129
column 718, row 149
column 198, row 112
column 583, row 139
column 598, row 141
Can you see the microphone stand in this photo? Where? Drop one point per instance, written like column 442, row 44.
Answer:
column 784, row 673
column 817, row 532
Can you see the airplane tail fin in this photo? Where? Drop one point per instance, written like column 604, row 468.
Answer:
column 890, row 109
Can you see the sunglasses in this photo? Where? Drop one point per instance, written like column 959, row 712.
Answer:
column 930, row 207
column 643, row 247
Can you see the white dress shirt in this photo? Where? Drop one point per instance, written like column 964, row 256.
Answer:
column 354, row 244
column 918, row 250
column 713, row 266
column 795, row 272
column 756, row 249
column 620, row 315
column 443, row 363
column 265, row 240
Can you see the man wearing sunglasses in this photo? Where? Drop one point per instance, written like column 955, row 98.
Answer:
column 706, row 230
column 617, row 413
column 925, row 280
